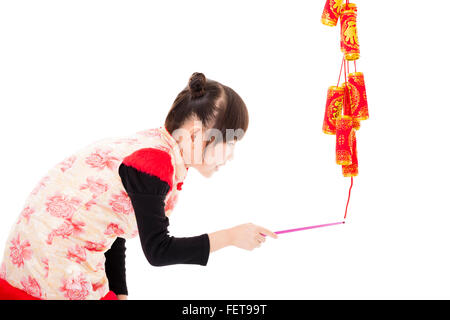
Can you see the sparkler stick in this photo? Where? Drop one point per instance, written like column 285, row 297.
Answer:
column 307, row 228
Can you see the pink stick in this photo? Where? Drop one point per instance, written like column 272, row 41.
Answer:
column 306, row 228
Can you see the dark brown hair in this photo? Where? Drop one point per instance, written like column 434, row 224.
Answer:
column 215, row 105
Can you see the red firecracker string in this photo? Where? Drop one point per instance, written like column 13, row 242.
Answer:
column 345, row 88
column 348, row 200
column 340, row 72
column 330, row 17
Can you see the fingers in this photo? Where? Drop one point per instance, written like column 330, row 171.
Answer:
column 260, row 238
column 265, row 232
column 251, row 236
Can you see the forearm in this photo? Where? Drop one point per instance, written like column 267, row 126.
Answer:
column 220, row 239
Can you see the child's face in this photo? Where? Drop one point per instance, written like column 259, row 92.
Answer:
column 192, row 139
column 215, row 156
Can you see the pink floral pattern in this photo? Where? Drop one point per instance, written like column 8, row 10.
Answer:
column 100, row 266
column 89, row 204
column 153, row 132
column 31, row 286
column 67, row 163
column 3, row 271
column 96, row 186
column 76, row 287
column 41, row 184
column 45, row 263
column 113, row 229
column 121, row 203
column 65, row 230
column 77, row 254
column 171, row 201
column 95, row 246
column 77, row 226
column 127, row 140
column 60, row 205
column 19, row 251
column 101, row 159
column 162, row 147
column 60, row 229
column 25, row 214
column 97, row 285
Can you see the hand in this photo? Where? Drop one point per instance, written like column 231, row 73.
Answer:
column 122, row 297
column 249, row 236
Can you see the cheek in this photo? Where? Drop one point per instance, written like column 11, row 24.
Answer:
column 209, row 161
column 213, row 156
column 230, row 152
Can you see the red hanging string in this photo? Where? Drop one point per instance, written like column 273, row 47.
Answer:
column 345, row 64
column 348, row 200
column 345, row 80
column 340, row 72
column 347, row 71
column 354, row 61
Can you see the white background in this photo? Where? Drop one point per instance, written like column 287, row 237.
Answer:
column 72, row 72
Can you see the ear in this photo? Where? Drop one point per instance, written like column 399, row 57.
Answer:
column 195, row 132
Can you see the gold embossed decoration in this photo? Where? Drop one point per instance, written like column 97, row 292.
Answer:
column 360, row 109
column 349, row 34
column 333, row 108
column 351, row 170
column 344, row 127
column 330, row 14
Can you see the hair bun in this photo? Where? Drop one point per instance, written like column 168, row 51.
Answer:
column 197, row 84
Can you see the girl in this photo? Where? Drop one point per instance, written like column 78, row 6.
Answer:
column 69, row 240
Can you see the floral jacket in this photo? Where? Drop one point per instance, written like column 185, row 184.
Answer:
column 56, row 249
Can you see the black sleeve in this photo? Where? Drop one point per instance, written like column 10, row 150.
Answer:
column 147, row 193
column 115, row 267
